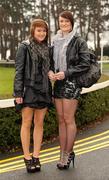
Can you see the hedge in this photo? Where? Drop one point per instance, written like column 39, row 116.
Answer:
column 92, row 106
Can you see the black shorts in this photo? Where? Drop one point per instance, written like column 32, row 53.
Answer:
column 66, row 89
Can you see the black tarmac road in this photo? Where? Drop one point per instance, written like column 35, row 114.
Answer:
column 91, row 162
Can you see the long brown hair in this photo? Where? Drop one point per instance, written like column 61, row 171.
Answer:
column 38, row 23
column 68, row 15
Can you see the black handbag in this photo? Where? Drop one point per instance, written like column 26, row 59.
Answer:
column 18, row 107
column 92, row 75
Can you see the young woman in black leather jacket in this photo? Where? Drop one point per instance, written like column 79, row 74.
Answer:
column 71, row 57
column 32, row 89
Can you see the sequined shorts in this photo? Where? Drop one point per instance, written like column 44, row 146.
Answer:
column 66, row 89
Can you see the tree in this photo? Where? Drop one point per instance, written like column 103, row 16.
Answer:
column 91, row 19
column 12, row 25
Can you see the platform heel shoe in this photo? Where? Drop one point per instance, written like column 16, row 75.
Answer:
column 60, row 164
column 64, row 161
column 71, row 158
column 36, row 163
column 29, row 165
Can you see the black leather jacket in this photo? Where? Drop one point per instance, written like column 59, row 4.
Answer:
column 24, row 71
column 77, row 57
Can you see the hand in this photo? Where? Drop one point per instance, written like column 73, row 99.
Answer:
column 51, row 75
column 60, row 75
column 19, row 100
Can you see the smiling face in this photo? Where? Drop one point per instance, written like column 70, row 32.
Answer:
column 40, row 34
column 65, row 25
column 39, row 30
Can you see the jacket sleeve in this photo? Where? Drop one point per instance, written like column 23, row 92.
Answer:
column 51, row 58
column 19, row 71
column 83, row 64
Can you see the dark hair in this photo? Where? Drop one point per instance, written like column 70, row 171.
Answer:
column 38, row 23
column 68, row 15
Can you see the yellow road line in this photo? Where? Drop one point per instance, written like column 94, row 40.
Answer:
column 92, row 137
column 57, row 147
column 90, row 142
column 93, row 149
column 47, row 159
column 51, row 153
column 55, row 158
column 23, row 165
column 78, row 150
column 43, row 155
column 21, row 156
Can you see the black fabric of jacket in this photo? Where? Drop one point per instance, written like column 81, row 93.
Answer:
column 77, row 57
column 24, row 70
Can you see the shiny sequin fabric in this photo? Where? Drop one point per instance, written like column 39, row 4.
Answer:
column 66, row 89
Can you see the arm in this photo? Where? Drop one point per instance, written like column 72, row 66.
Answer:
column 19, row 71
column 51, row 69
column 83, row 64
column 51, row 58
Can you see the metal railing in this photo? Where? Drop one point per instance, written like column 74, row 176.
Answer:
column 104, row 69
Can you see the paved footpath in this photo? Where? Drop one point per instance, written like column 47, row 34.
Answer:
column 91, row 163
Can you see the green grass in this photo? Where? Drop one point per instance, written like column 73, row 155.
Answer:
column 106, row 66
column 7, row 77
column 6, row 82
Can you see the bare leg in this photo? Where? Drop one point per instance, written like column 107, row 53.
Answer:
column 62, row 125
column 70, row 107
column 27, row 114
column 39, row 115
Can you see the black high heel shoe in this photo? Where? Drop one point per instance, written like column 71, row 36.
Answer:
column 71, row 158
column 36, row 163
column 29, row 165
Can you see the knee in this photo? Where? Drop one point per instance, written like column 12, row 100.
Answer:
column 69, row 120
column 61, row 118
column 38, row 123
column 26, row 123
